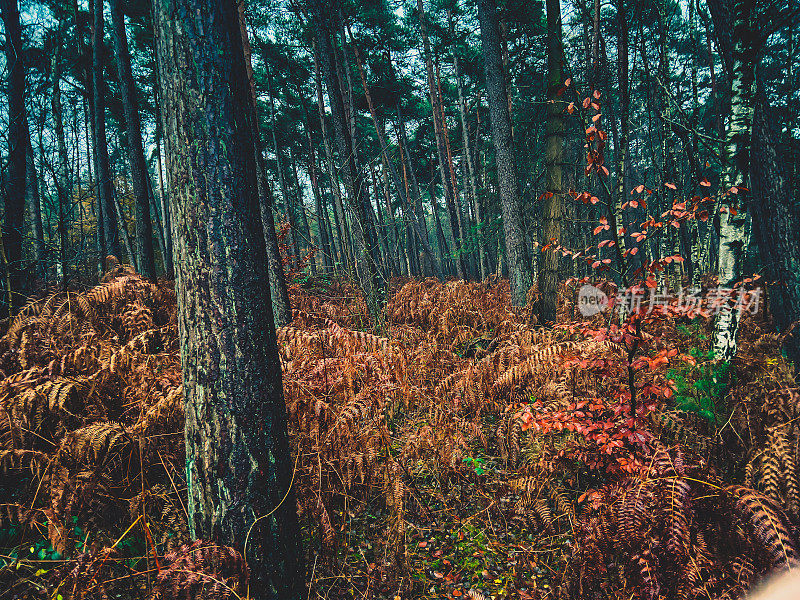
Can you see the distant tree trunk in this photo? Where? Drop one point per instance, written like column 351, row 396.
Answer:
column 338, row 206
column 519, row 268
column 18, row 141
column 145, row 258
column 110, row 229
column 279, row 166
column 367, row 252
column 319, row 205
column 34, row 208
column 441, row 148
column 300, row 211
column 552, row 203
column 62, row 172
column 279, row 294
column 482, row 262
column 733, row 232
column 379, row 130
column 624, row 112
column 239, row 467
column 162, row 200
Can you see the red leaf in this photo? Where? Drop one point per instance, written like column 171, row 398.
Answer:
column 671, row 186
column 568, row 82
column 705, row 182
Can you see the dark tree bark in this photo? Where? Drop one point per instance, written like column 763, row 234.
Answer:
column 776, row 223
column 105, row 193
column 145, row 257
column 18, row 141
column 367, row 251
column 279, row 294
column 238, row 461
column 553, row 201
column 519, row 268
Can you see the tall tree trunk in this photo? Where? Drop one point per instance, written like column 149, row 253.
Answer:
column 379, row 130
column 733, row 232
column 552, row 203
column 462, row 111
column 279, row 166
column 33, row 201
column 162, row 200
column 111, row 240
column 441, row 146
column 776, row 224
column 367, row 252
column 62, row 177
column 300, row 211
column 238, row 461
column 18, row 141
column 519, row 267
column 319, row 206
column 338, row 206
column 624, row 112
column 145, row 258
column 279, row 293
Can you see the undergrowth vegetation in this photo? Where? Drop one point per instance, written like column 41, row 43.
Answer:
column 462, row 452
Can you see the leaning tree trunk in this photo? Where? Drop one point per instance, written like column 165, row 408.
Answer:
column 145, row 258
column 110, row 229
column 238, row 462
column 14, row 192
column 368, row 255
column 552, row 203
column 279, row 293
column 733, row 232
column 519, row 268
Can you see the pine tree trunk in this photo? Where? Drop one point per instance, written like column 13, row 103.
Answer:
column 366, row 245
column 552, row 203
column 300, row 211
column 279, row 166
column 110, row 229
column 441, row 148
column 516, row 252
column 33, row 201
column 18, row 141
column 776, row 224
column 279, row 293
column 166, row 229
column 238, row 462
column 624, row 112
column 62, row 178
column 343, row 235
column 145, row 257
column 462, row 111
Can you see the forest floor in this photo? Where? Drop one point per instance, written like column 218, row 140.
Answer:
column 464, row 452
